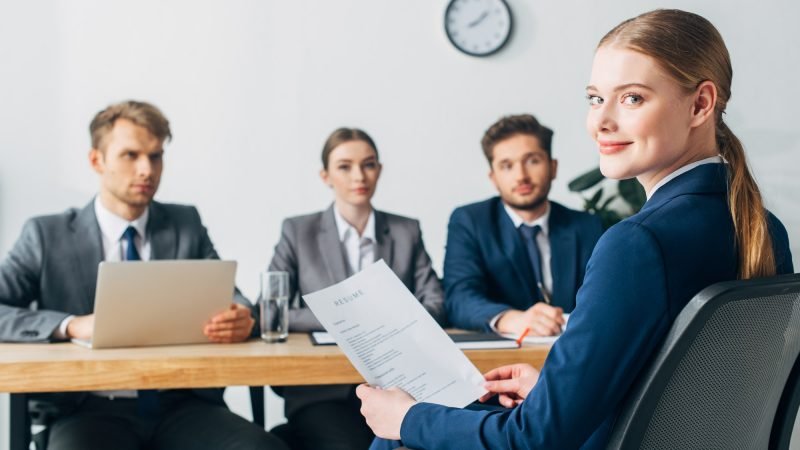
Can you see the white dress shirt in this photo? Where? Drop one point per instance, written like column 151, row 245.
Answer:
column 112, row 228
column 360, row 250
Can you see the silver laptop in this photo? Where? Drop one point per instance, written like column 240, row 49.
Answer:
column 144, row 303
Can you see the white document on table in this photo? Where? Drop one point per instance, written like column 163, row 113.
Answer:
column 392, row 341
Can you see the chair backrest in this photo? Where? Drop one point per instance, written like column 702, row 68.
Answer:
column 718, row 379
column 786, row 415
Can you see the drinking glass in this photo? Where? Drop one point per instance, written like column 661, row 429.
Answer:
column 274, row 304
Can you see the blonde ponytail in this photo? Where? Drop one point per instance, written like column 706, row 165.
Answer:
column 756, row 257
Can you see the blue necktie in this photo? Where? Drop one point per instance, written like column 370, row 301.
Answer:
column 147, row 399
column 529, row 236
column 131, row 254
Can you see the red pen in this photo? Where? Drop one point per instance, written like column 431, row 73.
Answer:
column 522, row 336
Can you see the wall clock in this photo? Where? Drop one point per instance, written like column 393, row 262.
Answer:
column 478, row 27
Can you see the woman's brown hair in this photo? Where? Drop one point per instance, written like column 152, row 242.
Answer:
column 692, row 51
column 342, row 135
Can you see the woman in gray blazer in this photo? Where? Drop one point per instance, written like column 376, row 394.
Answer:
column 323, row 248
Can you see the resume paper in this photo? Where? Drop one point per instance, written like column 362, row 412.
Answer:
column 391, row 339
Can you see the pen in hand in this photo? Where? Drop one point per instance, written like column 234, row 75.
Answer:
column 545, row 294
column 522, row 336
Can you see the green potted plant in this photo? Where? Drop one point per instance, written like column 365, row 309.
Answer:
column 629, row 191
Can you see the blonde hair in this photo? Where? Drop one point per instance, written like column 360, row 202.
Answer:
column 692, row 51
column 140, row 113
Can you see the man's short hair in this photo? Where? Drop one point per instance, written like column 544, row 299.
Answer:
column 509, row 126
column 140, row 113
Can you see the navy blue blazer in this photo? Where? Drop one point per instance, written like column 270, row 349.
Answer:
column 642, row 273
column 487, row 269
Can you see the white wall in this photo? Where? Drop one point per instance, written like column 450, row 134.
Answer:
column 252, row 89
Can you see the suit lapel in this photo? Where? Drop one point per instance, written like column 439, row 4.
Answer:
column 162, row 234
column 707, row 178
column 563, row 252
column 88, row 253
column 384, row 245
column 511, row 243
column 330, row 247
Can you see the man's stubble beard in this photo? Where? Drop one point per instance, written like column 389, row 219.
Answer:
column 530, row 206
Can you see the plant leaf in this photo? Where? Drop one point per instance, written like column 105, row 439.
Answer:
column 633, row 193
column 595, row 198
column 587, row 180
column 607, row 202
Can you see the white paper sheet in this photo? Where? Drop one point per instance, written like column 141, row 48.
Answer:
column 392, row 341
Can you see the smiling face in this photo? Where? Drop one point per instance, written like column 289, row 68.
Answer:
column 353, row 171
column 522, row 172
column 643, row 122
column 129, row 162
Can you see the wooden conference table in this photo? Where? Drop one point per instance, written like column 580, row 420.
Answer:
column 30, row 368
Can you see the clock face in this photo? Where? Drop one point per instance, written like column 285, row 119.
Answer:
column 478, row 27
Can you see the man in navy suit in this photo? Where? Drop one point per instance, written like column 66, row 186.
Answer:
column 516, row 261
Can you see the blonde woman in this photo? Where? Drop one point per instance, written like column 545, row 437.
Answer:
column 660, row 83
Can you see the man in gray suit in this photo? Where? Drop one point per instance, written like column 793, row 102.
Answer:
column 54, row 263
column 324, row 248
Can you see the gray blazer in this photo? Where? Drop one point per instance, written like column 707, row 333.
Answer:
column 310, row 250
column 54, row 263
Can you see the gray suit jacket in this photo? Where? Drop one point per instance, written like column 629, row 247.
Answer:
column 54, row 263
column 310, row 250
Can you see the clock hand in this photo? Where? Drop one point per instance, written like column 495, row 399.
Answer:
column 479, row 19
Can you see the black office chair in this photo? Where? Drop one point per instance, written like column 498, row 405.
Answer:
column 786, row 415
column 726, row 376
column 26, row 412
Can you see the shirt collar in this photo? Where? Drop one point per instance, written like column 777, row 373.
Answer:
column 542, row 221
column 113, row 226
column 710, row 160
column 345, row 228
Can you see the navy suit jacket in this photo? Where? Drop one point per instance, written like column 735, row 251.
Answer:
column 487, row 269
column 642, row 273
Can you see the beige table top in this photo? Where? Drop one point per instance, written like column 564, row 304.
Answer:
column 69, row 367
